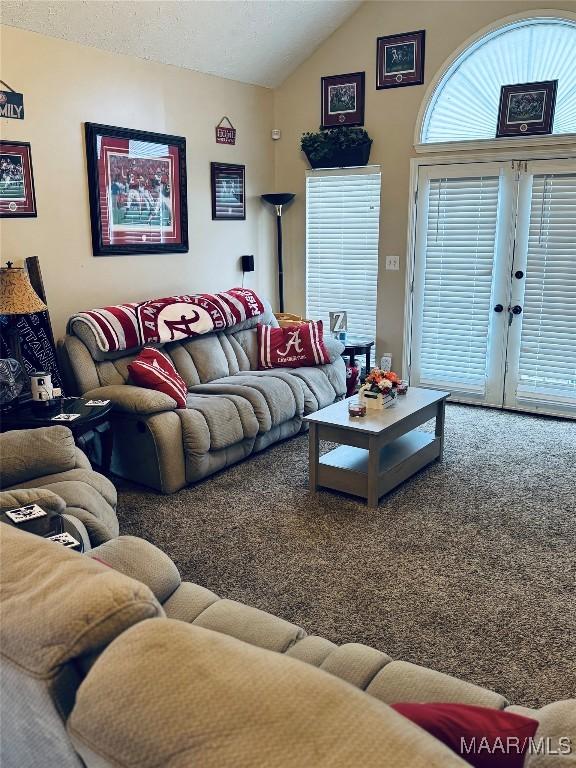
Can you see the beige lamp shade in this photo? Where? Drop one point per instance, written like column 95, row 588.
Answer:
column 17, row 297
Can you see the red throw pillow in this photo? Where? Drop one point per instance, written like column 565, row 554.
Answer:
column 291, row 347
column 484, row 737
column 154, row 370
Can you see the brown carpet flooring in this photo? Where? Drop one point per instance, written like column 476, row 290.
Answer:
column 469, row 567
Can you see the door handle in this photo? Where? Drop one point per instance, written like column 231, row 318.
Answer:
column 519, row 274
column 517, row 309
column 498, row 308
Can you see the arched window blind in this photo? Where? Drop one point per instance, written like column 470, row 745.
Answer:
column 465, row 103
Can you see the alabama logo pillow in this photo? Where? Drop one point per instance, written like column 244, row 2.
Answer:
column 291, row 347
column 154, row 370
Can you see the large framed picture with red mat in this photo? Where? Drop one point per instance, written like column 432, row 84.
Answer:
column 137, row 189
column 17, row 198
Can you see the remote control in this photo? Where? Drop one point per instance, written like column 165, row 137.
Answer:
column 23, row 514
column 65, row 539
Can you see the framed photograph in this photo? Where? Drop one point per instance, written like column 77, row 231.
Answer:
column 343, row 100
column 228, row 191
column 137, row 188
column 400, row 60
column 527, row 109
column 17, row 197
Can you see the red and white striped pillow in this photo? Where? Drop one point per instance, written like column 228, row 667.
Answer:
column 154, row 370
column 292, row 347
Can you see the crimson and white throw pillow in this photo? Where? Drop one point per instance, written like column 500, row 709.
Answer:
column 291, row 347
column 154, row 370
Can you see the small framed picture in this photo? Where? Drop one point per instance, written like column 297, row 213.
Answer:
column 228, row 191
column 137, row 188
column 400, row 60
column 343, row 100
column 527, row 109
column 17, row 197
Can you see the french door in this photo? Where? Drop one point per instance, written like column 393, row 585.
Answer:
column 494, row 290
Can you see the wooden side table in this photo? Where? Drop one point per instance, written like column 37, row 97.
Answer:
column 358, row 346
column 27, row 416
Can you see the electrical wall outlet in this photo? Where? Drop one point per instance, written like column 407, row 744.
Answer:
column 393, row 263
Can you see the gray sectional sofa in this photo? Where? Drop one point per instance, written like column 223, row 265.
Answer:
column 109, row 659
column 232, row 410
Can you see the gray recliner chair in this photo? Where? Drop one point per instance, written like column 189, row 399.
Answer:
column 45, row 467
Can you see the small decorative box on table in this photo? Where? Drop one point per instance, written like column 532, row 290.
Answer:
column 379, row 450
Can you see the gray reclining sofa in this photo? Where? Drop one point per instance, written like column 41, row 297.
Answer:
column 232, row 410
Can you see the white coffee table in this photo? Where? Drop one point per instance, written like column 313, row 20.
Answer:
column 379, row 451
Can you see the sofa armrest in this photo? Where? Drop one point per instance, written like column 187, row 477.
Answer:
column 131, row 399
column 189, row 696
column 30, row 453
column 20, row 497
column 142, row 561
column 334, row 347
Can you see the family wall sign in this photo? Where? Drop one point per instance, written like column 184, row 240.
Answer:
column 11, row 103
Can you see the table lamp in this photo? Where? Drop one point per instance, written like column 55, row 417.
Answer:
column 278, row 200
column 17, row 297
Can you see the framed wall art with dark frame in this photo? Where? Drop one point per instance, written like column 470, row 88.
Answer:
column 527, row 109
column 228, row 184
column 17, row 196
column 137, row 190
column 400, row 60
column 343, row 100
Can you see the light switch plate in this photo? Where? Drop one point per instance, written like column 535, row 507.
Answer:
column 393, row 263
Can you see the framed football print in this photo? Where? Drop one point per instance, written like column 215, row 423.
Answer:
column 527, row 109
column 400, row 60
column 17, row 197
column 343, row 100
column 137, row 189
column 228, row 191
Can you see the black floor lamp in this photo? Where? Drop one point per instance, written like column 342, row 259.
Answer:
column 278, row 200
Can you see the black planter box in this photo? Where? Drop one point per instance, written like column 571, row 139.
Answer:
column 345, row 159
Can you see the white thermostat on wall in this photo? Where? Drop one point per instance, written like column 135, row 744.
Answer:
column 276, row 134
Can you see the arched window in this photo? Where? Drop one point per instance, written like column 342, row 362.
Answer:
column 464, row 103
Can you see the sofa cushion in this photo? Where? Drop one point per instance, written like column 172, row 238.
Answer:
column 140, row 560
column 273, row 399
column 557, row 729
column 58, row 605
column 403, row 681
column 153, row 369
column 250, row 625
column 191, row 697
column 211, row 423
column 291, row 347
column 28, row 453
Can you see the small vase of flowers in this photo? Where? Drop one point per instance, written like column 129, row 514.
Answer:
column 379, row 389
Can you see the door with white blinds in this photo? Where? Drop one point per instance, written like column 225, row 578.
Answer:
column 342, row 228
column 457, row 340
column 494, row 293
column 542, row 338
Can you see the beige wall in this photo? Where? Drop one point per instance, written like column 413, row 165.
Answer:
column 65, row 85
column 390, row 121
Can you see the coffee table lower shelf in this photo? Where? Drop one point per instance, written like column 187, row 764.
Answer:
column 346, row 468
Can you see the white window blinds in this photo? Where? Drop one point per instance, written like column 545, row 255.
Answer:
column 548, row 347
column 459, row 255
column 342, row 226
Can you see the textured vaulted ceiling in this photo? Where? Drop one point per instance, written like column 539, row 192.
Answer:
column 256, row 41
